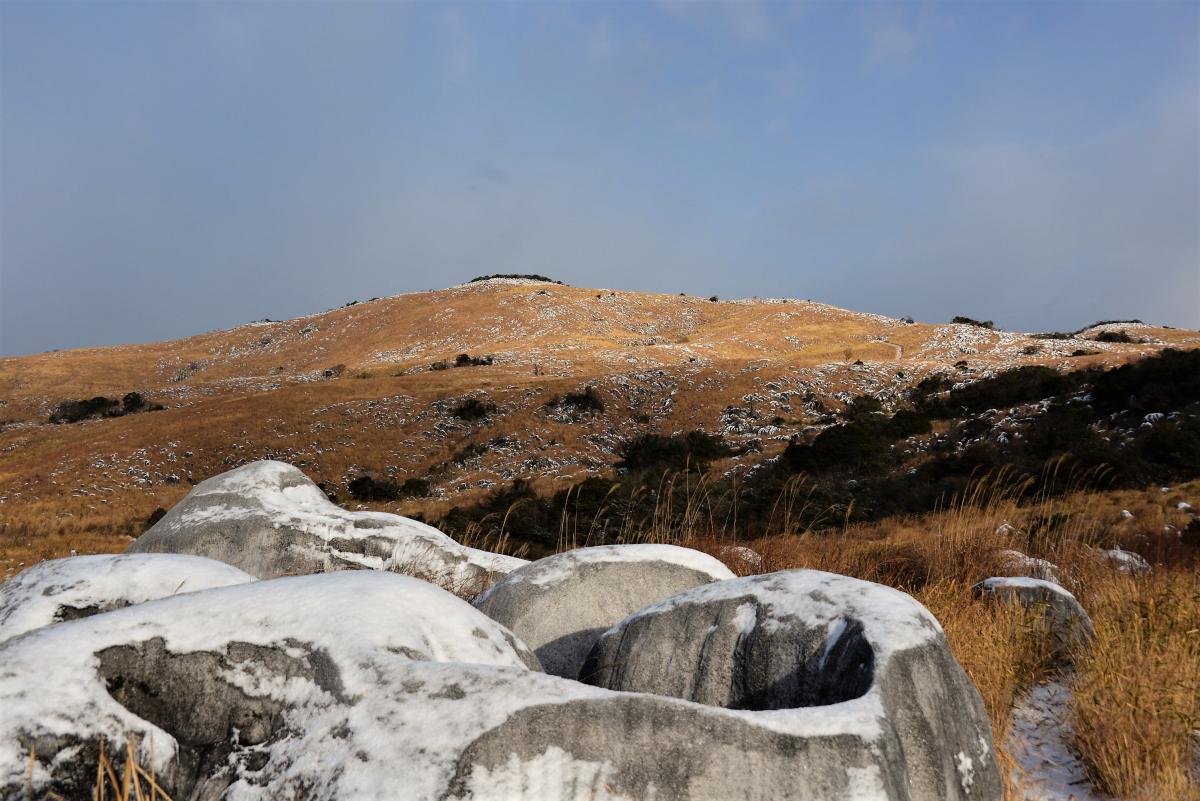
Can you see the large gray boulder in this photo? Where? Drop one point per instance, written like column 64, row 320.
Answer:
column 1067, row 623
column 861, row 664
column 560, row 605
column 270, row 520
column 78, row 586
column 356, row 686
column 261, row 690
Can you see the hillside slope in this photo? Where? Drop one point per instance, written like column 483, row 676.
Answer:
column 352, row 391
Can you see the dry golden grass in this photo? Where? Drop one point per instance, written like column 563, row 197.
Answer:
column 1136, row 694
column 119, row 780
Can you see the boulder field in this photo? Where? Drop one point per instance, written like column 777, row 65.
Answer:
column 619, row 672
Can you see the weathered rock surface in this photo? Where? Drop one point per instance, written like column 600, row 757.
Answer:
column 560, row 605
column 78, row 586
column 270, row 520
column 264, row 690
column 361, row 685
column 1067, row 622
column 1124, row 561
column 1030, row 566
column 861, row 664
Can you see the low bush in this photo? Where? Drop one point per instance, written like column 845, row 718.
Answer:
column 969, row 321
column 584, row 400
column 656, row 453
column 473, row 409
column 74, row 411
column 367, row 488
column 1118, row 337
column 467, row 360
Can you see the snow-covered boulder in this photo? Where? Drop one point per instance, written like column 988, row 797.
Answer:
column 1031, row 566
column 78, row 586
column 1067, row 622
column 863, row 669
column 560, row 605
column 264, row 690
column 741, row 558
column 1124, row 561
column 360, row 685
column 269, row 519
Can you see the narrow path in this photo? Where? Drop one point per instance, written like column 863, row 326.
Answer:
column 1047, row 769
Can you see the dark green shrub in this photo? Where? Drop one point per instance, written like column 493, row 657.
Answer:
column 977, row 323
column 1119, row 337
column 473, row 409
column 366, row 488
column 414, row 488
column 908, row 423
column 154, row 517
column 73, row 411
column 585, row 400
column 657, row 453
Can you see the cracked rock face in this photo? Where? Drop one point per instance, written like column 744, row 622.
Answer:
column 79, row 586
column 560, row 605
column 822, row 651
column 268, row 519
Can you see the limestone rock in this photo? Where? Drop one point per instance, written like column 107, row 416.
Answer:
column 270, row 520
column 863, row 665
column 78, row 586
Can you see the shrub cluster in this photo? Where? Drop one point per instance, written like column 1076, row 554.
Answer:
column 473, row 409
column 1079, row 430
column 585, row 400
column 73, row 411
column 970, row 321
column 368, row 488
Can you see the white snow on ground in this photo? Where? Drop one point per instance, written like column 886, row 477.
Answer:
column 1047, row 769
column 290, row 499
column 560, row 566
column 34, row 597
column 370, row 625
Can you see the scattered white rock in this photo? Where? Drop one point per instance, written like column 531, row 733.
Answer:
column 1029, row 566
column 1125, row 561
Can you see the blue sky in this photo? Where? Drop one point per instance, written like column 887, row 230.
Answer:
column 169, row 168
